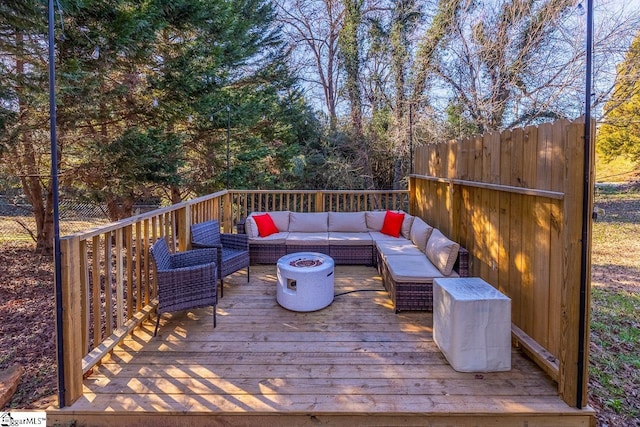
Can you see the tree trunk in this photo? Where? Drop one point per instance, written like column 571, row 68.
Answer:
column 33, row 184
column 118, row 209
column 176, row 197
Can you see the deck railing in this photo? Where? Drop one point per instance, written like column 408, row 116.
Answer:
column 107, row 276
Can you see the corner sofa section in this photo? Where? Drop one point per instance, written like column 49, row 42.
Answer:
column 407, row 263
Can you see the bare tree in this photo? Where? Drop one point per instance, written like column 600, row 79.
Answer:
column 517, row 62
column 509, row 64
column 313, row 29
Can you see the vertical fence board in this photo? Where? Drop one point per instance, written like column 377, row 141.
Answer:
column 527, row 302
column 542, row 214
column 484, row 228
column 504, row 207
column 477, row 218
column 516, row 237
column 494, row 160
column 558, row 180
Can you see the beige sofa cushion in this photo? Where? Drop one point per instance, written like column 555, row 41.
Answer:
column 378, row 236
column 406, row 226
column 309, row 222
column 307, row 238
column 420, row 233
column 411, row 268
column 251, row 228
column 375, row 219
column 272, row 239
column 402, row 247
column 354, row 222
column 280, row 219
column 442, row 252
column 349, row 239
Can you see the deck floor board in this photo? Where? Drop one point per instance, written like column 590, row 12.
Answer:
column 355, row 357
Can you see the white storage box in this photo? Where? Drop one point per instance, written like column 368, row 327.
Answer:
column 472, row 324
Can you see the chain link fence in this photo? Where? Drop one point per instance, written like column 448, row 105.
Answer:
column 17, row 223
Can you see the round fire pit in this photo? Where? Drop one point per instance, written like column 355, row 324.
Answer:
column 305, row 281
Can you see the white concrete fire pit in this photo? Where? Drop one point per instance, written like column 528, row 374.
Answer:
column 305, row 281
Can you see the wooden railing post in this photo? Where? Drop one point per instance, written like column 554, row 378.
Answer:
column 319, row 202
column 71, row 304
column 183, row 220
column 227, row 213
column 412, row 195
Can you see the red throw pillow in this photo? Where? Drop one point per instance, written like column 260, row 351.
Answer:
column 392, row 223
column 266, row 226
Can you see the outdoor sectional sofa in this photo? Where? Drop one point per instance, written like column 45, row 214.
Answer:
column 408, row 262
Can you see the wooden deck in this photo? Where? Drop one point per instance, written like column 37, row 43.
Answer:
column 354, row 363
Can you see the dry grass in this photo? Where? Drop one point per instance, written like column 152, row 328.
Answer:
column 618, row 170
column 15, row 228
column 615, row 309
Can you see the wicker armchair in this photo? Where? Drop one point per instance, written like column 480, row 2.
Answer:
column 233, row 249
column 185, row 280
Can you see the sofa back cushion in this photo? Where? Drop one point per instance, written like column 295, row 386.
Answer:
column 280, row 219
column 420, row 233
column 266, row 226
column 308, row 222
column 354, row 222
column 375, row 219
column 392, row 225
column 442, row 252
column 406, row 226
column 250, row 227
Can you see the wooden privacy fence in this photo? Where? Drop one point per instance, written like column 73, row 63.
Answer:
column 108, row 285
column 515, row 201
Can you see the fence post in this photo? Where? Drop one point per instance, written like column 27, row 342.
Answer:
column 72, row 351
column 572, row 241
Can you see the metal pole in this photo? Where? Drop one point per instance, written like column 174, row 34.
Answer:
column 228, row 139
column 411, row 138
column 586, row 209
column 56, row 213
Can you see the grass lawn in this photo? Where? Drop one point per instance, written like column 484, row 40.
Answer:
column 615, row 308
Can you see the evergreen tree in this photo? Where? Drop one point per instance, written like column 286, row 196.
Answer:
column 142, row 91
column 619, row 135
